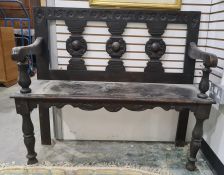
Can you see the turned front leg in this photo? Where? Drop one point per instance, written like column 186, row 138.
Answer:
column 195, row 141
column 29, row 139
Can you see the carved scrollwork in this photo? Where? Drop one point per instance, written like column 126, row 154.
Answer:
column 70, row 14
column 116, row 28
column 157, row 29
column 76, row 46
column 90, row 107
column 120, row 15
column 155, row 48
column 172, row 17
column 115, row 107
column 59, row 13
column 116, row 47
column 135, row 107
column 76, row 64
column 76, row 27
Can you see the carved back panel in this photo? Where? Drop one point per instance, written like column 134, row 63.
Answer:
column 116, row 20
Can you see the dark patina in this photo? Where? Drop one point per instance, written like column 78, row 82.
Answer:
column 113, row 88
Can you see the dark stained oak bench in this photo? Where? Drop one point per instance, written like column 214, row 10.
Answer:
column 114, row 88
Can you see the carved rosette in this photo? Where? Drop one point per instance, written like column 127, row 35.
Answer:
column 116, row 47
column 155, row 48
column 76, row 46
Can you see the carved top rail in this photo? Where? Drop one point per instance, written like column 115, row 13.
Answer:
column 59, row 13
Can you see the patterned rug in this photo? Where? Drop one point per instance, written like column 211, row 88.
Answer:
column 29, row 170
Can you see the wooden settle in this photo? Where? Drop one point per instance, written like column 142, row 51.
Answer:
column 114, row 88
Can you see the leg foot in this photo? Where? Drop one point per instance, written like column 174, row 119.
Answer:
column 29, row 139
column 180, row 143
column 191, row 165
column 32, row 161
column 195, row 141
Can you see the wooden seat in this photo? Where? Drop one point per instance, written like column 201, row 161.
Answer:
column 114, row 91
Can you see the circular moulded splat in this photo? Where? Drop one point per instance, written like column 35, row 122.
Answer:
column 76, row 46
column 155, row 48
column 116, row 47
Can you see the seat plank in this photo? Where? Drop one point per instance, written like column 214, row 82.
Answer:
column 114, row 91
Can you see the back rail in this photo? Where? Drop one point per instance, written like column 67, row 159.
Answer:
column 116, row 20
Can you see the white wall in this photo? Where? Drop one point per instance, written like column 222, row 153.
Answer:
column 150, row 125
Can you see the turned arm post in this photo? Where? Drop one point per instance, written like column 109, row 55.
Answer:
column 19, row 54
column 209, row 60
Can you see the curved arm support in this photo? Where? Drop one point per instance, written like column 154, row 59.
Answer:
column 209, row 60
column 19, row 53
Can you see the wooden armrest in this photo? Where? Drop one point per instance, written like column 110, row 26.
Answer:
column 19, row 53
column 210, row 60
